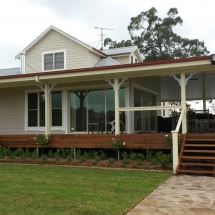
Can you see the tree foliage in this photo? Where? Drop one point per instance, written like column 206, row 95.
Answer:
column 156, row 39
column 113, row 44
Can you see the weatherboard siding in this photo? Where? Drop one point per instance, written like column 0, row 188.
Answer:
column 93, row 59
column 122, row 60
column 12, row 111
column 76, row 54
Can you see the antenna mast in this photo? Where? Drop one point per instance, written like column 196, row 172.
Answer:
column 102, row 35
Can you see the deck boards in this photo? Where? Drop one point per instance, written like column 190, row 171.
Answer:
column 132, row 141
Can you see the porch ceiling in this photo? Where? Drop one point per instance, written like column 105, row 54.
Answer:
column 156, row 68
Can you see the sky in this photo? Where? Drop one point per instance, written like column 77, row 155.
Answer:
column 22, row 21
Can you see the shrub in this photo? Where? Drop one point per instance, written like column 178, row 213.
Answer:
column 154, row 161
column 124, row 155
column 133, row 156
column 116, row 143
column 140, row 156
column 103, row 156
column 56, row 158
column 28, row 153
column 165, row 160
column 34, row 155
column 149, row 154
column 19, row 152
column 158, row 156
column 126, row 161
column 87, row 155
column 51, row 154
column 111, row 160
column 69, row 158
column 78, row 154
column 44, row 158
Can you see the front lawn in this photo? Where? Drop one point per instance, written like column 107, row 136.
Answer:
column 35, row 189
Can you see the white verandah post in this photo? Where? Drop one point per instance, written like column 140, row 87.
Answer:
column 183, row 103
column 47, row 110
column 116, row 96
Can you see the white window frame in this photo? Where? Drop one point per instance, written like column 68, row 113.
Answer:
column 42, row 128
column 53, row 52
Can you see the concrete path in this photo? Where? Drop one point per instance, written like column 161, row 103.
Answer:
column 181, row 194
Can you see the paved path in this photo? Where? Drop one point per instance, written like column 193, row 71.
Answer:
column 181, row 194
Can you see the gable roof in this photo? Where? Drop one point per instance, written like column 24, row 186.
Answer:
column 108, row 61
column 123, row 51
column 90, row 48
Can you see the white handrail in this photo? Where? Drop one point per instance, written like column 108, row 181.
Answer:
column 175, row 141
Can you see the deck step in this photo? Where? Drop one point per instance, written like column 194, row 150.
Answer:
column 198, row 157
column 199, row 151
column 200, row 140
column 196, row 164
column 199, row 145
column 198, row 171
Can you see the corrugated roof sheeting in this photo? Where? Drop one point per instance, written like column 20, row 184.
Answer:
column 11, row 71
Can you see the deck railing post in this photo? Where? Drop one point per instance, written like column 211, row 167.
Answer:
column 175, row 150
column 183, row 102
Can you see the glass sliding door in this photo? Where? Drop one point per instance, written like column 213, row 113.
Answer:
column 83, row 104
column 144, row 120
column 78, row 111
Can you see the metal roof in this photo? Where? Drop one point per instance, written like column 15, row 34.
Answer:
column 122, row 50
column 11, row 71
column 108, row 61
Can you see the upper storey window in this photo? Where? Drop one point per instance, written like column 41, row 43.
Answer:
column 54, row 60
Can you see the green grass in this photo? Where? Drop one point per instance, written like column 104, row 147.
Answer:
column 69, row 190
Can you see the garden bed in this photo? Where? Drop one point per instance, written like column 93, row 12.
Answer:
column 147, row 161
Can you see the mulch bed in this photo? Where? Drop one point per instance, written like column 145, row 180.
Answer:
column 133, row 164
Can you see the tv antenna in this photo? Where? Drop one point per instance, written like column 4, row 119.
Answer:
column 102, row 35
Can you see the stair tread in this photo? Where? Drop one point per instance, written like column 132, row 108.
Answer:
column 197, row 164
column 200, row 140
column 199, row 157
column 199, row 150
column 196, row 171
column 200, row 145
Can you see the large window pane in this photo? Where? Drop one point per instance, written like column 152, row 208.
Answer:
column 32, row 109
column 59, row 60
column 42, row 109
column 48, row 62
column 78, row 111
column 56, row 109
column 138, row 115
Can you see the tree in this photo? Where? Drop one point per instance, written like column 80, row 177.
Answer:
column 114, row 44
column 156, row 39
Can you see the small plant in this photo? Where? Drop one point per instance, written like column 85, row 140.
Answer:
column 44, row 158
column 19, row 152
column 111, row 161
column 86, row 155
column 140, row 157
column 154, row 161
column 82, row 159
column 42, row 139
column 165, row 160
column 12, row 156
column 149, row 154
column 34, row 155
column 158, row 156
column 103, row 156
column 78, row 154
column 63, row 152
column 71, row 152
column 140, row 162
column 124, row 155
column 126, row 161
column 169, row 140
column 56, row 158
column 51, row 154
column 28, row 153
column 133, row 156
column 69, row 158
column 23, row 158
column 116, row 143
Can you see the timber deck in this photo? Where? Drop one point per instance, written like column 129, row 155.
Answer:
column 132, row 141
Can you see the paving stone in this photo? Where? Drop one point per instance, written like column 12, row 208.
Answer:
column 180, row 195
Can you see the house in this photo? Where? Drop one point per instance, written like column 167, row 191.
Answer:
column 64, row 82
